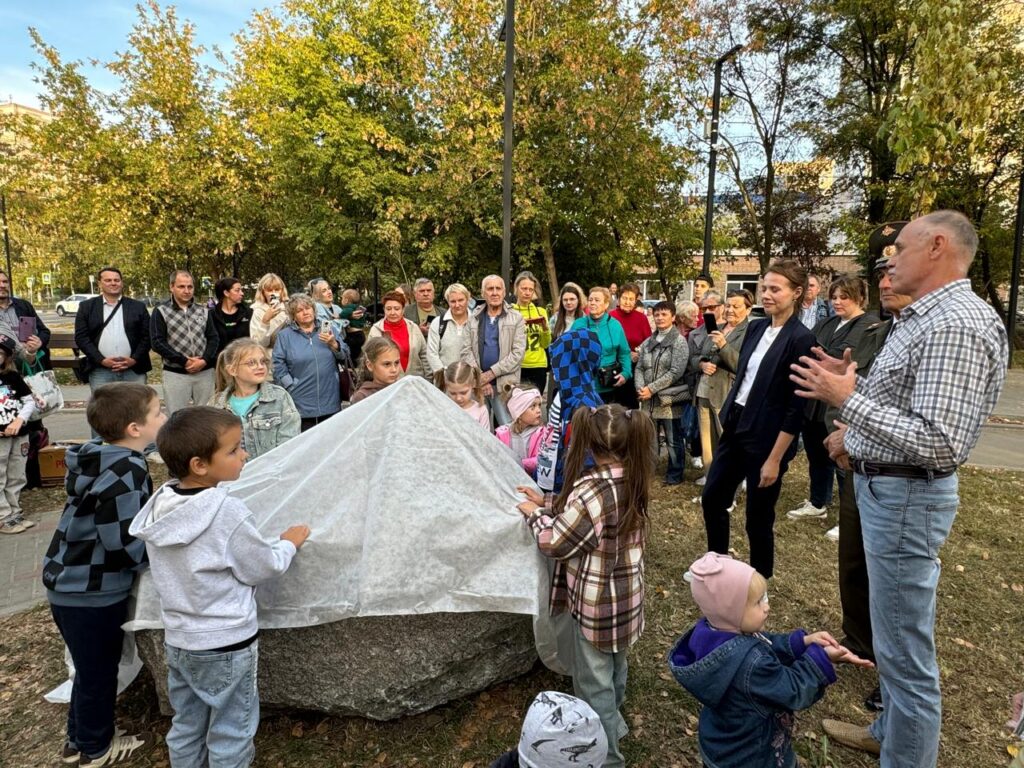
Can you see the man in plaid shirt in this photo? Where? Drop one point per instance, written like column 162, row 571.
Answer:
column 906, row 429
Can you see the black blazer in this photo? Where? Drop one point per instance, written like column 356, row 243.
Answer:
column 24, row 308
column 772, row 407
column 89, row 320
column 835, row 341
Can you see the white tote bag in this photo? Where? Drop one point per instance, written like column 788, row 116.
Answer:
column 45, row 390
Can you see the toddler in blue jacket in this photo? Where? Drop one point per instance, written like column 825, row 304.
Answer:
column 750, row 682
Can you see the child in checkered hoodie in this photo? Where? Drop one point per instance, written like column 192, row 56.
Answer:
column 92, row 560
column 595, row 530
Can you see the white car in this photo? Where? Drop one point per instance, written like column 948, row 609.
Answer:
column 69, row 305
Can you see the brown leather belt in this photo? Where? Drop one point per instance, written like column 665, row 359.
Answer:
column 907, row 471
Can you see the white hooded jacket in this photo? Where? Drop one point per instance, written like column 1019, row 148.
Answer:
column 207, row 557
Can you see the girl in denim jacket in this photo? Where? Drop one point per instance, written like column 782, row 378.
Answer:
column 750, row 682
column 268, row 415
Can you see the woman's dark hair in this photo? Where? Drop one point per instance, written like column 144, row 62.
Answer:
column 744, row 294
column 561, row 323
column 795, row 274
column 664, row 306
column 854, row 286
column 627, row 436
column 393, row 296
column 222, row 286
column 630, row 288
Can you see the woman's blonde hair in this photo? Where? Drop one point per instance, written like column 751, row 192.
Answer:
column 232, row 356
column 265, row 284
column 463, row 374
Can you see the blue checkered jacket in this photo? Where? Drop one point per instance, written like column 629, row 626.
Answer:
column 92, row 559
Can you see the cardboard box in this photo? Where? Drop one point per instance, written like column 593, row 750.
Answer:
column 51, row 464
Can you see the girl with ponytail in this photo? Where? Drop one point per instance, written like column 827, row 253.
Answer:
column 595, row 530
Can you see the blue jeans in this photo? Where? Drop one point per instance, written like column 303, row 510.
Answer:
column 100, row 376
column 675, row 446
column 905, row 523
column 216, row 707
column 599, row 679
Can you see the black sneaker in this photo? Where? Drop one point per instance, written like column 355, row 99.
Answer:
column 69, row 755
column 874, row 700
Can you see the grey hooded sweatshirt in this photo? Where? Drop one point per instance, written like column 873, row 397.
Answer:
column 207, row 557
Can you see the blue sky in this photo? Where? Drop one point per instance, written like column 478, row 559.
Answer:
column 96, row 29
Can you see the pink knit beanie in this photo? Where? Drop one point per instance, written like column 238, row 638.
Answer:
column 720, row 586
column 520, row 401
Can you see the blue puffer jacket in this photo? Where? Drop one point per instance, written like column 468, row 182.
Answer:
column 750, row 686
column 308, row 369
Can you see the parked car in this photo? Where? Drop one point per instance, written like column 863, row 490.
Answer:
column 69, row 305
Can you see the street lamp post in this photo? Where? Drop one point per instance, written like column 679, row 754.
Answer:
column 508, row 34
column 7, row 239
column 716, row 105
column 1018, row 237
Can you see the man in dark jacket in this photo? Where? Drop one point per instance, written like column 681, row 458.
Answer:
column 12, row 311
column 112, row 331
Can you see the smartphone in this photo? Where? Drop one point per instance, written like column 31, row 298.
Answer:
column 275, row 299
column 710, row 322
column 26, row 328
column 325, row 326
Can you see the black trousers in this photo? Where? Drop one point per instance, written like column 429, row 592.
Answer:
column 312, row 421
column 739, row 458
column 94, row 638
column 624, row 395
column 533, row 377
column 853, row 572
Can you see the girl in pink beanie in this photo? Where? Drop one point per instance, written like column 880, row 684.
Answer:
column 749, row 681
column 525, row 435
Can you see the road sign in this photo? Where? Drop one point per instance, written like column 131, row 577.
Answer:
column 30, row 281
column 46, row 278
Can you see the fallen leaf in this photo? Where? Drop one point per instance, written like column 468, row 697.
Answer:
column 959, row 569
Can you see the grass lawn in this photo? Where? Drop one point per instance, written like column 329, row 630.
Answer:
column 979, row 633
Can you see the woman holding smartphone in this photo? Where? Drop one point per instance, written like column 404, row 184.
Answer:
column 761, row 417
column 268, row 310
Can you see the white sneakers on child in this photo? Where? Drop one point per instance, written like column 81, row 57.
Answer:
column 806, row 511
column 122, row 748
column 832, row 534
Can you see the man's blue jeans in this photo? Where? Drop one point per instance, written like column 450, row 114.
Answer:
column 905, row 523
column 100, row 376
column 216, row 707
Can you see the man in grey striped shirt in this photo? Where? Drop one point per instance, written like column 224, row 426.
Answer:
column 906, row 429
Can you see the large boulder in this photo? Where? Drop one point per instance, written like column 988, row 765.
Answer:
column 419, row 582
column 379, row 667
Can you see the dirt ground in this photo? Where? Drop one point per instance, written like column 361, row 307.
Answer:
column 981, row 654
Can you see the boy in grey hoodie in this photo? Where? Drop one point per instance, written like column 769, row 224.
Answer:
column 206, row 558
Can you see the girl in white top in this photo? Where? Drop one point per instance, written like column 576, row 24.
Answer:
column 268, row 310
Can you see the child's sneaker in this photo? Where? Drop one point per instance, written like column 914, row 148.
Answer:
column 24, row 521
column 122, row 748
column 11, row 526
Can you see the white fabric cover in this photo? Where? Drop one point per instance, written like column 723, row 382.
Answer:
column 412, row 508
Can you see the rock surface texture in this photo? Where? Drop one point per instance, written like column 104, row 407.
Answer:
column 379, row 667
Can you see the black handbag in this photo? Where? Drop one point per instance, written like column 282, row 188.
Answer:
column 607, row 374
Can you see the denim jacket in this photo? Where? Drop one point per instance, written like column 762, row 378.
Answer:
column 750, row 686
column 271, row 421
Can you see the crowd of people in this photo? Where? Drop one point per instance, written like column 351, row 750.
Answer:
column 584, row 397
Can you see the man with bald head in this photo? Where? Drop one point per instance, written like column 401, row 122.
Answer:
column 908, row 425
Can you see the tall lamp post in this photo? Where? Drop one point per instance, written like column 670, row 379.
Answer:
column 716, row 106
column 1018, row 237
column 508, row 34
column 7, row 239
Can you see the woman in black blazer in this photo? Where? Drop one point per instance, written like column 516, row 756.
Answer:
column 761, row 417
column 844, row 330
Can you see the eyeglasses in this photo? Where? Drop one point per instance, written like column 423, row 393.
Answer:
column 710, row 306
column 254, row 363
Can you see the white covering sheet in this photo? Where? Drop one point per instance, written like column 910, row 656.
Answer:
column 412, row 508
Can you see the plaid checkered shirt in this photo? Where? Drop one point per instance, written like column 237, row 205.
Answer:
column 599, row 577
column 933, row 384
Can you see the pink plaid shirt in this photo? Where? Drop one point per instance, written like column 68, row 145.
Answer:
column 599, row 577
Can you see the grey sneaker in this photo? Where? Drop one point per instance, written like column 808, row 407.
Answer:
column 24, row 521
column 122, row 748
column 12, row 526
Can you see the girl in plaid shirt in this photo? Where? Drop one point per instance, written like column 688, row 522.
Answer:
column 595, row 529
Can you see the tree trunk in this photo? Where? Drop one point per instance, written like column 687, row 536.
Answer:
column 549, row 263
column 659, row 262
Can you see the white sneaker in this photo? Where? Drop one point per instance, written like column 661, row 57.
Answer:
column 806, row 511
column 832, row 534
column 688, row 577
column 11, row 526
column 24, row 522
column 122, row 747
column 743, row 487
column 701, row 480
column 697, row 462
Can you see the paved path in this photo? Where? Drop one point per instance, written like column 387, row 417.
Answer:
column 21, row 556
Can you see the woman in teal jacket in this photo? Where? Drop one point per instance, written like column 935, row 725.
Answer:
column 614, row 347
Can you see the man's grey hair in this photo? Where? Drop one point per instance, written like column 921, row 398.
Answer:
column 422, row 281
column 492, row 277
column 960, row 230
